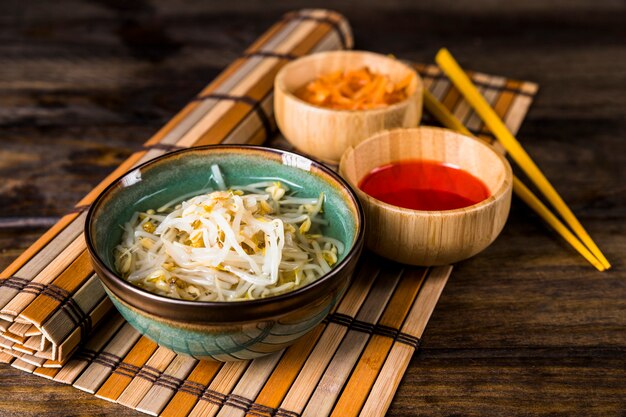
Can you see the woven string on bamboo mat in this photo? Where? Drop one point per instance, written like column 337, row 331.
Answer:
column 57, row 323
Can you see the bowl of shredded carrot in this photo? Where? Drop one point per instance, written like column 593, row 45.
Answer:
column 329, row 101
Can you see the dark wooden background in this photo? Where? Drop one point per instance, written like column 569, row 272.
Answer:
column 525, row 328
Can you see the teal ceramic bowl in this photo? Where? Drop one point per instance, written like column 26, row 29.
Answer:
column 223, row 331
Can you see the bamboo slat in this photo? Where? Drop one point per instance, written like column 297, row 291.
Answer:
column 47, row 373
column 285, row 373
column 166, row 385
column 30, row 358
column 23, row 365
column 61, row 324
column 19, row 329
column 23, row 349
column 21, row 298
column 374, row 355
column 107, row 359
column 350, row 365
column 398, row 359
column 212, row 397
column 42, row 308
column 14, row 337
column 4, row 325
column 249, row 386
column 6, row 358
column 349, row 351
column 70, row 344
column 148, row 374
column 192, row 389
column 75, row 366
column 313, row 369
column 127, row 369
column 34, row 342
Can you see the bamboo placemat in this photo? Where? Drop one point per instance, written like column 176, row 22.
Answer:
column 56, row 321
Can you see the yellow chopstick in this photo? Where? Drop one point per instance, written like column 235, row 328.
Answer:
column 514, row 148
column 446, row 118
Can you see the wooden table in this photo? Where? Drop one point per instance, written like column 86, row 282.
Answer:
column 525, row 328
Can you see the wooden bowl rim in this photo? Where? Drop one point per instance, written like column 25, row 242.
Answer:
column 279, row 84
column 507, row 182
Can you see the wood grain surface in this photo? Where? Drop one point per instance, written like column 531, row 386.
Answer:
column 525, row 328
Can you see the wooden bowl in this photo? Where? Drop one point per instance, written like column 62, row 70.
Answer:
column 326, row 133
column 431, row 237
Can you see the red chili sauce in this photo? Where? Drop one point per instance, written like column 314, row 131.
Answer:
column 424, row 185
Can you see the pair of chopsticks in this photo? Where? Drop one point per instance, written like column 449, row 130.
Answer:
column 580, row 239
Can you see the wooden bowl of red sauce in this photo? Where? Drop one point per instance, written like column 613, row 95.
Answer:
column 431, row 196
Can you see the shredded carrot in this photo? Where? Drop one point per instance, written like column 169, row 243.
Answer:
column 358, row 89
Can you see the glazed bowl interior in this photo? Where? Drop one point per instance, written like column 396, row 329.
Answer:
column 188, row 172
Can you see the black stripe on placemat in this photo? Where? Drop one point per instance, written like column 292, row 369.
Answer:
column 107, row 359
column 110, row 355
column 127, row 369
column 213, row 397
column 361, row 326
column 340, row 318
column 238, row 402
column 483, row 84
column 78, row 317
column 12, row 285
column 125, row 372
column 34, row 288
column 270, row 54
column 168, row 381
column 334, row 24
column 71, row 308
column 86, row 355
column 386, row 331
column 104, row 362
column 254, row 104
column 149, row 373
column 281, row 412
column 261, row 410
column 56, row 293
column 407, row 339
column 192, row 388
column 14, row 282
column 165, row 384
column 379, row 329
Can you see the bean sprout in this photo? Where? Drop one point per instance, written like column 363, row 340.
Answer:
column 238, row 243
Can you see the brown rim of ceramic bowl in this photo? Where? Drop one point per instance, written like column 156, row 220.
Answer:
column 280, row 82
column 236, row 311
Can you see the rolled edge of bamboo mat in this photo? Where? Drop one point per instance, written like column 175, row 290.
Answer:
column 49, row 300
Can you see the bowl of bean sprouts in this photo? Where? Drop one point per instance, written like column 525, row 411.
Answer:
column 226, row 252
